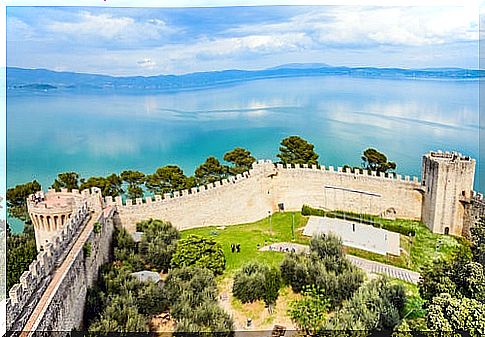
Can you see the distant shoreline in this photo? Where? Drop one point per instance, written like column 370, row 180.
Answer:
column 47, row 80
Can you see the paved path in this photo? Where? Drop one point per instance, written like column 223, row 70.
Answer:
column 59, row 274
column 367, row 265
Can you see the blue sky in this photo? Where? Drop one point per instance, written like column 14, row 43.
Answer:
column 150, row 41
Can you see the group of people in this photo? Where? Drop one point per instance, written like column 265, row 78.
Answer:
column 37, row 197
column 281, row 249
column 235, row 247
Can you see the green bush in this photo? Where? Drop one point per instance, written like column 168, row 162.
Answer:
column 87, row 249
column 97, row 227
column 197, row 251
column 256, row 281
column 325, row 267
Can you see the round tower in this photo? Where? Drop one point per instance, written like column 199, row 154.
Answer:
column 49, row 212
column 447, row 181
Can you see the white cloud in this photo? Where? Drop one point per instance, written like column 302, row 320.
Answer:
column 409, row 26
column 109, row 27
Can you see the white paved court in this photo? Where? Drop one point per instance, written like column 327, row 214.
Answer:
column 353, row 234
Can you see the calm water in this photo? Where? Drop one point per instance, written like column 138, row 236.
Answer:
column 97, row 134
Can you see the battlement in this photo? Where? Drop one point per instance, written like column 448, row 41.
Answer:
column 23, row 295
column 448, row 156
column 260, row 168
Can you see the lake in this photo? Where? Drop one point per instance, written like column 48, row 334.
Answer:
column 98, row 133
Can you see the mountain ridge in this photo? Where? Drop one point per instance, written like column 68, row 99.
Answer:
column 45, row 79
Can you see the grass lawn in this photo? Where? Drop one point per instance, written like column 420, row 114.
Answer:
column 418, row 250
column 250, row 235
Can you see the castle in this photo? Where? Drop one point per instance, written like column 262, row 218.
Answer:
column 444, row 200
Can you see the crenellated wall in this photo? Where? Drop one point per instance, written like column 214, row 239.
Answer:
column 52, row 293
column 24, row 296
column 66, row 307
column 252, row 195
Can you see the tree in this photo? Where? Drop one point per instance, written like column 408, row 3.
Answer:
column 325, row 245
column 309, row 313
column 458, row 277
column 110, row 186
column 134, row 180
column 241, row 159
column 257, row 281
column 199, row 252
column 166, row 179
column 192, row 293
column 69, row 180
column 447, row 313
column 151, row 300
column 21, row 251
column 325, row 267
column 374, row 160
column 17, row 199
column 377, row 305
column 158, row 243
column 296, row 150
column 120, row 315
column 210, row 171
column 477, row 232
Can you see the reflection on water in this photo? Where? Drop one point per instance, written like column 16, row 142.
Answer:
column 97, row 134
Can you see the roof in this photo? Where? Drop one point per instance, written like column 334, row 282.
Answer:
column 147, row 276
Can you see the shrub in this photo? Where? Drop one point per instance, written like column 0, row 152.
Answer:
column 200, row 252
column 87, row 249
column 256, row 281
column 97, row 227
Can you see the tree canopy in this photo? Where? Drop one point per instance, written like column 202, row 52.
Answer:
column 158, row 243
column 167, row 179
column 210, row 171
column 257, row 281
column 200, row 252
column 69, row 180
column 17, row 199
column 134, row 180
column 374, row 160
column 110, row 185
column 241, row 159
column 296, row 150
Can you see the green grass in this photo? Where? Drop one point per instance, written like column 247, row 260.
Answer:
column 250, row 235
column 418, row 250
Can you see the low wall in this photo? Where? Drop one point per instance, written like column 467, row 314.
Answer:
column 251, row 196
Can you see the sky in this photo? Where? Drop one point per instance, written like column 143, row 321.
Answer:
column 152, row 41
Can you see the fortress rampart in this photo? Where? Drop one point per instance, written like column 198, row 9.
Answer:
column 61, row 262
column 268, row 187
column 24, row 296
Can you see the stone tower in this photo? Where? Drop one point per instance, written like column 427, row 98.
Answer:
column 49, row 212
column 447, row 181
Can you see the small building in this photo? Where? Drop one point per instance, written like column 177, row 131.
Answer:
column 147, row 276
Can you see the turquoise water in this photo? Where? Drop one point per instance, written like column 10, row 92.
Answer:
column 97, row 133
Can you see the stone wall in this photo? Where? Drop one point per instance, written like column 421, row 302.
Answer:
column 474, row 211
column 24, row 296
column 66, row 308
column 252, row 195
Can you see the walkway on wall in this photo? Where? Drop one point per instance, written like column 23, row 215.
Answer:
column 57, row 278
column 366, row 265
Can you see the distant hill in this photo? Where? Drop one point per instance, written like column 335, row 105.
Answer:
column 42, row 79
